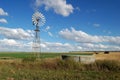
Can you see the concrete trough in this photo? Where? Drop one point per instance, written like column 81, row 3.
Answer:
column 87, row 59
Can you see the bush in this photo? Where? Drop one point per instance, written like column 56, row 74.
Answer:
column 70, row 65
column 29, row 59
column 108, row 65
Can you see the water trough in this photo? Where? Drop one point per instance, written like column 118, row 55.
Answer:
column 80, row 58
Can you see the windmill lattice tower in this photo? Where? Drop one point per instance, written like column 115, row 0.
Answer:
column 38, row 20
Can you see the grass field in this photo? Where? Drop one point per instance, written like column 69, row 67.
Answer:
column 51, row 67
column 29, row 54
column 100, row 56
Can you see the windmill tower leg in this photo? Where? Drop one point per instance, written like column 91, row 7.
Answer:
column 36, row 44
column 38, row 20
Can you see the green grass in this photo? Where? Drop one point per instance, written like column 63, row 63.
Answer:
column 14, row 55
column 42, row 55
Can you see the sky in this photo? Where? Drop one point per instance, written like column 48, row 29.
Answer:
column 71, row 25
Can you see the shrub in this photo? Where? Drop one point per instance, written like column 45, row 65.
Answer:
column 29, row 59
column 108, row 65
column 69, row 64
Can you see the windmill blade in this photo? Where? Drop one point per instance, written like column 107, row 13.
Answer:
column 38, row 19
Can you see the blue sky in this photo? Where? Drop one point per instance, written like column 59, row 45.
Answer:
column 71, row 25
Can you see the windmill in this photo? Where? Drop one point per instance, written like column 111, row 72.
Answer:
column 38, row 20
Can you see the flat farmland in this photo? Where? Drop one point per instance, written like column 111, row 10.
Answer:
column 99, row 56
column 31, row 54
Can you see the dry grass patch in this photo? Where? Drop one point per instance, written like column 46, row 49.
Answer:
column 110, row 56
column 57, row 69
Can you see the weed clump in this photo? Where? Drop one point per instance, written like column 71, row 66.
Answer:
column 108, row 65
column 29, row 59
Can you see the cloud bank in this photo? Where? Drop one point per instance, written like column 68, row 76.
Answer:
column 82, row 37
column 21, row 40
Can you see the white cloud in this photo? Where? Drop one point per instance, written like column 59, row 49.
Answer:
column 65, row 47
column 18, row 45
column 17, row 33
column 3, row 13
column 14, row 45
column 56, row 47
column 92, row 46
column 50, row 34
column 9, row 42
column 96, row 25
column 9, row 45
column 98, row 47
column 3, row 20
column 59, row 6
column 47, row 28
column 43, row 45
column 82, row 37
column 107, row 32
